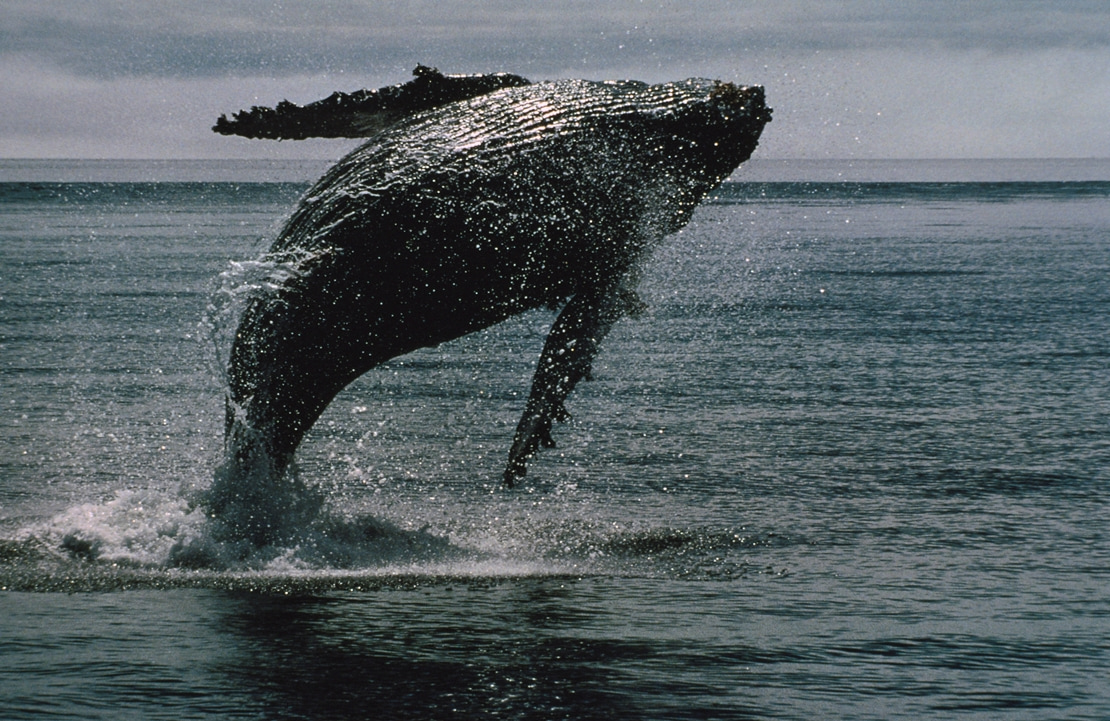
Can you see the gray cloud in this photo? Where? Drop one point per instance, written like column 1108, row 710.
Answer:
column 859, row 78
column 207, row 38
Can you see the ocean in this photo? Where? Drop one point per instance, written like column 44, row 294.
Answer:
column 852, row 462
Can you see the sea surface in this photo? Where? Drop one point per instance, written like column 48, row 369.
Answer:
column 853, row 462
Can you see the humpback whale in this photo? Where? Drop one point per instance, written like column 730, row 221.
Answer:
column 473, row 199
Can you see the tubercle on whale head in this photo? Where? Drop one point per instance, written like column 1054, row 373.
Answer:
column 710, row 109
column 714, row 126
column 745, row 99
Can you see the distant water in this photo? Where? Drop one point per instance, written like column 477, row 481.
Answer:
column 853, row 462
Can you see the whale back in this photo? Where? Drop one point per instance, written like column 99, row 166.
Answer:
column 542, row 161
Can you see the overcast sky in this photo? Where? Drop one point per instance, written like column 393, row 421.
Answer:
column 847, row 79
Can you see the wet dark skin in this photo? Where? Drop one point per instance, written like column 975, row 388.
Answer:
column 494, row 197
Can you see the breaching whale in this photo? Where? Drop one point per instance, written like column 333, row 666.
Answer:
column 475, row 198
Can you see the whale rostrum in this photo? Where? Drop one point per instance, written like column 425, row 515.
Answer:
column 474, row 198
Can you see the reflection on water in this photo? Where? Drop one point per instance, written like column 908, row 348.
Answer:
column 494, row 652
column 543, row 648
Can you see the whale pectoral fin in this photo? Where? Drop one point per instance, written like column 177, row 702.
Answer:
column 364, row 112
column 567, row 355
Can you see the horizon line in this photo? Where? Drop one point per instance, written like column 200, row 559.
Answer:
column 758, row 160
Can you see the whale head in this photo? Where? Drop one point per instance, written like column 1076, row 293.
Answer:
column 715, row 125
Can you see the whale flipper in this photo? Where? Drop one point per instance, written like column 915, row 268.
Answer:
column 364, row 112
column 567, row 357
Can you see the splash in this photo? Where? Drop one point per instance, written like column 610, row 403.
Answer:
column 234, row 289
column 250, row 498
column 165, row 533
column 254, row 501
column 158, row 539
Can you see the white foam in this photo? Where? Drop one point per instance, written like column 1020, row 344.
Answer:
column 155, row 531
column 136, row 528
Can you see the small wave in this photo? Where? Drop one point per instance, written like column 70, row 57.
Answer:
column 675, row 541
